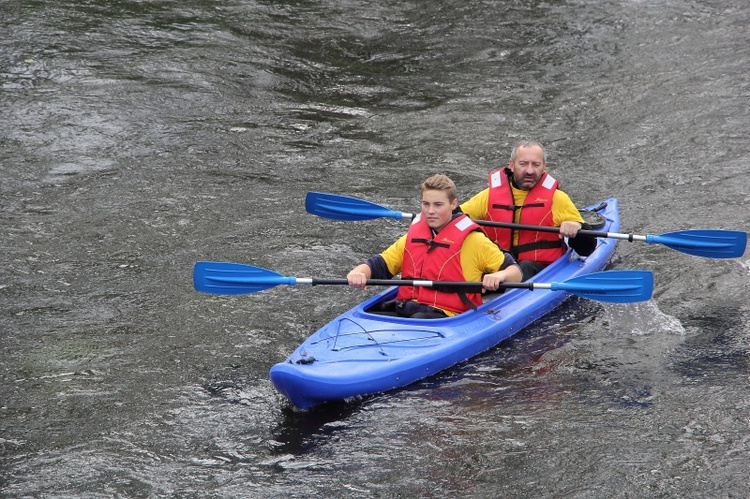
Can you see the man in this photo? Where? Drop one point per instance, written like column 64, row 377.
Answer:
column 525, row 193
column 440, row 245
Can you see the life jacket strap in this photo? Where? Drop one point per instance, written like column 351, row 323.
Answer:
column 431, row 243
column 507, row 207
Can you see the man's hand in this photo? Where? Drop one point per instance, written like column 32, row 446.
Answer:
column 569, row 229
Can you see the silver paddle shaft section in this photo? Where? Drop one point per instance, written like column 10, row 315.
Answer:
column 623, row 237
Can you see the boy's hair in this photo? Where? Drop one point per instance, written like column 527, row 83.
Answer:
column 440, row 182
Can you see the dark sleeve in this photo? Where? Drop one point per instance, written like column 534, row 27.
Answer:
column 379, row 268
column 583, row 245
column 508, row 261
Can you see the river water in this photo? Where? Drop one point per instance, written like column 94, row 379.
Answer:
column 138, row 137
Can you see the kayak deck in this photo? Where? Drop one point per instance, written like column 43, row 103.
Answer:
column 360, row 353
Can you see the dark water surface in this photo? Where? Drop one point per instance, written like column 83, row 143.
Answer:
column 138, row 137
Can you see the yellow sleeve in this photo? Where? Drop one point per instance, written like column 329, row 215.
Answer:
column 563, row 209
column 479, row 256
column 476, row 207
column 394, row 255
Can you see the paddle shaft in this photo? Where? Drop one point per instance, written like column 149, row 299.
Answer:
column 467, row 285
column 541, row 228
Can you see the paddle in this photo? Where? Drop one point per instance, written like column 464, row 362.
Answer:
column 709, row 243
column 613, row 286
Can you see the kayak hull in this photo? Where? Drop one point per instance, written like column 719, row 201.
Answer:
column 359, row 353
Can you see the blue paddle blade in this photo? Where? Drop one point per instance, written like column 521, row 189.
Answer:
column 224, row 278
column 613, row 286
column 337, row 207
column 711, row 243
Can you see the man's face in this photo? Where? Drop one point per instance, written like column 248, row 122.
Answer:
column 437, row 209
column 528, row 167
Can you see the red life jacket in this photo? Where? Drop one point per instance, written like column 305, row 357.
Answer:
column 437, row 258
column 541, row 247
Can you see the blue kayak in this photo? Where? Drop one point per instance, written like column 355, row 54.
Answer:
column 360, row 353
